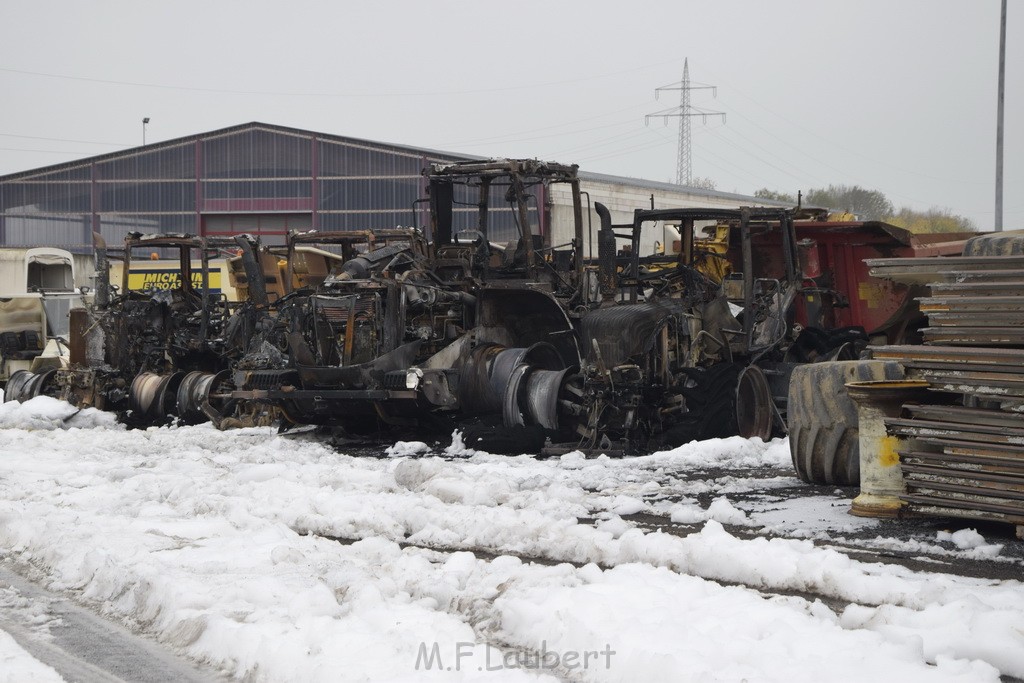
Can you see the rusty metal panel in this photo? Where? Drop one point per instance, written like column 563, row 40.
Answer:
column 78, row 319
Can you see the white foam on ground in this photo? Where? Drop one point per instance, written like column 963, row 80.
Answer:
column 209, row 540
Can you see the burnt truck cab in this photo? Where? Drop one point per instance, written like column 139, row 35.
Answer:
column 489, row 222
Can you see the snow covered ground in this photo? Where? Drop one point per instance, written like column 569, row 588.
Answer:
column 280, row 559
column 18, row 666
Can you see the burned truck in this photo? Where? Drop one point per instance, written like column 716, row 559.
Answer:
column 671, row 352
column 406, row 332
column 152, row 349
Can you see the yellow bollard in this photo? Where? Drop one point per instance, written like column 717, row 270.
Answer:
column 881, row 481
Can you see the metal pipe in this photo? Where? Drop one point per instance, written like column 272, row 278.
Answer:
column 1000, row 99
column 204, row 302
column 789, row 248
column 748, row 277
column 590, row 227
column 524, row 223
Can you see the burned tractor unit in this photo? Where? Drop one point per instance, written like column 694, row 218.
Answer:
column 406, row 333
column 152, row 347
column 671, row 352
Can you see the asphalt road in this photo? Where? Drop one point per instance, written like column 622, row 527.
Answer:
column 81, row 645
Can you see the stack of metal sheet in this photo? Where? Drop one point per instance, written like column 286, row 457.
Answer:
column 989, row 374
column 983, row 312
column 965, row 460
column 928, row 269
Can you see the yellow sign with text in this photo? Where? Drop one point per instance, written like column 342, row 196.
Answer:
column 152, row 278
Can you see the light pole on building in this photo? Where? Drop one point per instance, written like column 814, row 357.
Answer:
column 144, row 122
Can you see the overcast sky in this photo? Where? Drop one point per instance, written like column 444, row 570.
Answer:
column 893, row 95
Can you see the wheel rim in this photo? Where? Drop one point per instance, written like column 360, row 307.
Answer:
column 15, row 389
column 753, row 404
column 193, row 392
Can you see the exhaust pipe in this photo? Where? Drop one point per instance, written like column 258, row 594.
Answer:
column 606, row 253
column 253, row 272
column 102, row 298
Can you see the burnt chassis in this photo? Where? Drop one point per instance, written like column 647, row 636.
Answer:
column 388, row 341
column 320, row 359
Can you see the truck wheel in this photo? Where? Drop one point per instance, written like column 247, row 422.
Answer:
column 822, row 418
column 711, row 406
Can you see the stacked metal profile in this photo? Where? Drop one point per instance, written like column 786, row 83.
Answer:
column 965, row 460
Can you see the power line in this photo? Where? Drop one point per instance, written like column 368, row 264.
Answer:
column 832, row 143
column 700, row 154
column 225, row 91
column 540, row 137
column 628, row 150
column 615, row 139
column 84, row 142
column 45, row 151
column 754, row 180
column 503, row 138
column 733, row 130
column 763, row 161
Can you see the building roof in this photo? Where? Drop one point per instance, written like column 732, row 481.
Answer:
column 672, row 187
column 406, row 149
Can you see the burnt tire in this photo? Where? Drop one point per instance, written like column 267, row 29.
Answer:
column 502, row 440
column 822, row 418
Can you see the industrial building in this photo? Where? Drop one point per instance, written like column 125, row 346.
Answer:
column 266, row 180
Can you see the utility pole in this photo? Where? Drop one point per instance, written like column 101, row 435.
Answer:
column 684, row 112
column 999, row 120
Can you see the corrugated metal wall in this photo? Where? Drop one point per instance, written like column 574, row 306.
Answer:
column 255, row 171
column 266, row 179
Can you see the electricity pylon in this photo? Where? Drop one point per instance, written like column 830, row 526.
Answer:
column 684, row 112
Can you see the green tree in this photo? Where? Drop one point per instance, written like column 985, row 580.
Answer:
column 933, row 220
column 868, row 205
